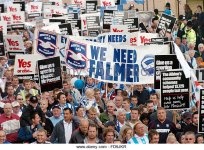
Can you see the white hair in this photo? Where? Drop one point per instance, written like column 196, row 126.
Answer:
column 120, row 110
column 201, row 45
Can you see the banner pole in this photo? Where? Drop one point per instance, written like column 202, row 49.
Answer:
column 106, row 90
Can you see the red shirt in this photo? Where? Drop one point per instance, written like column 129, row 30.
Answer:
column 8, row 99
column 11, row 137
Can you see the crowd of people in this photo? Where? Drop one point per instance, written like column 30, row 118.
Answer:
column 101, row 112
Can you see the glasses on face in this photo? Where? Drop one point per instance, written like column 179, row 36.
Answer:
column 19, row 99
column 188, row 139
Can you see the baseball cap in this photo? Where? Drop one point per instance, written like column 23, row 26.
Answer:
column 187, row 115
column 15, row 104
column 189, row 24
column 55, row 106
column 109, row 123
column 168, row 4
column 33, row 99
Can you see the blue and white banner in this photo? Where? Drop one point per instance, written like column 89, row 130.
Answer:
column 46, row 44
column 134, row 39
column 136, row 1
column 114, row 38
column 118, row 64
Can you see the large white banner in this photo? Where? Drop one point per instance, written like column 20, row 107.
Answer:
column 118, row 64
column 25, row 64
column 134, row 39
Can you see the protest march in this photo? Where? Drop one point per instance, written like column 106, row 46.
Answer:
column 100, row 72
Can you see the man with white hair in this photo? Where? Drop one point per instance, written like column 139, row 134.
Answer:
column 192, row 59
column 109, row 114
column 200, row 52
column 9, row 122
column 121, row 117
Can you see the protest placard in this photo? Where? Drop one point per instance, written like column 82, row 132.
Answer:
column 14, row 43
column 166, row 24
column 201, row 112
column 175, row 88
column 162, row 63
column 50, row 74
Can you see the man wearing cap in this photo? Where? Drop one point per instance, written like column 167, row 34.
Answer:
column 190, row 33
column 56, row 111
column 182, row 27
column 29, row 110
column 186, row 120
column 194, row 125
column 16, row 108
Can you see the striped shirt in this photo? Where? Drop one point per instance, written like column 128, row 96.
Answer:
column 139, row 140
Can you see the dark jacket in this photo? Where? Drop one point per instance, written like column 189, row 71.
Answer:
column 77, row 137
column 163, row 129
column 142, row 96
column 58, row 134
column 191, row 127
column 25, row 134
column 48, row 127
column 25, row 119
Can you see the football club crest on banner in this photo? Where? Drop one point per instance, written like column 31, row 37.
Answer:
column 76, row 55
column 46, row 44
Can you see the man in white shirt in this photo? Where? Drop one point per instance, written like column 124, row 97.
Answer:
column 63, row 129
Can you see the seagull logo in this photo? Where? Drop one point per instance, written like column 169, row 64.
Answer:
column 47, row 45
column 77, row 56
column 147, row 65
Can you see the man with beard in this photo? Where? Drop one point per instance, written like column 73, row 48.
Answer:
column 92, row 135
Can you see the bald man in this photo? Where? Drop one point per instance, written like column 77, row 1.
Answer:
column 79, row 135
column 10, row 123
